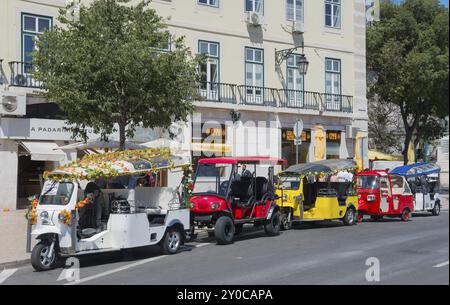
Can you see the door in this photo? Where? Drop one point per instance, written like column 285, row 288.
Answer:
column 209, row 70
column 209, row 79
column 254, row 76
column 294, row 83
column 385, row 192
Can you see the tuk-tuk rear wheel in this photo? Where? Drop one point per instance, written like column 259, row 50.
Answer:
column 172, row 241
column 406, row 215
column 39, row 259
column 436, row 209
column 350, row 217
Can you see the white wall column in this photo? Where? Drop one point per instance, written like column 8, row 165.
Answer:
column 8, row 174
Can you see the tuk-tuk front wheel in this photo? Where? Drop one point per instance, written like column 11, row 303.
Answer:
column 406, row 215
column 350, row 217
column 224, row 230
column 172, row 241
column 40, row 258
column 286, row 223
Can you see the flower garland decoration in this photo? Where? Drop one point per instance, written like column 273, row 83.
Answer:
column 64, row 217
column 31, row 214
column 114, row 164
column 84, row 202
column 187, row 186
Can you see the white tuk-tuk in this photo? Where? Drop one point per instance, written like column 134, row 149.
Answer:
column 106, row 202
column 424, row 181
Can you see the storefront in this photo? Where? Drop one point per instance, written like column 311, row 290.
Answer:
column 288, row 147
column 333, row 144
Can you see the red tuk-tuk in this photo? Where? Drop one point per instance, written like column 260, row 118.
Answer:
column 382, row 194
column 231, row 191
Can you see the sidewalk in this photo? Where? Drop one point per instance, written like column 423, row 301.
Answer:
column 13, row 226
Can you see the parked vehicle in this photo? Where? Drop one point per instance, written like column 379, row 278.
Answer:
column 230, row 192
column 75, row 215
column 424, row 181
column 321, row 190
column 382, row 194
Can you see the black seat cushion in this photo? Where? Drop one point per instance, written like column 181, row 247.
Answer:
column 261, row 185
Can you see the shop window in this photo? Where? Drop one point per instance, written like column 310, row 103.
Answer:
column 288, row 149
column 333, row 144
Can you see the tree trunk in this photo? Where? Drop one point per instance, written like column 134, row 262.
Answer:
column 122, row 136
column 408, row 139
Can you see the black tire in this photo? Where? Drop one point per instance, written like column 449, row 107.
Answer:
column 38, row 259
column 349, row 217
column 437, row 209
column 286, row 224
column 272, row 227
column 224, row 230
column 238, row 229
column 172, row 241
column 406, row 215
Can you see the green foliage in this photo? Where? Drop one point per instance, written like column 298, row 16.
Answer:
column 407, row 54
column 108, row 69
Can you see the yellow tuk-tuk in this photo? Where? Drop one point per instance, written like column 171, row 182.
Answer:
column 322, row 190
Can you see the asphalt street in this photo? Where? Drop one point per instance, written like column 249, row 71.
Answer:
column 416, row 252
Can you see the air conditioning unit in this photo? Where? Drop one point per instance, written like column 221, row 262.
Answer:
column 298, row 27
column 254, row 18
column 12, row 104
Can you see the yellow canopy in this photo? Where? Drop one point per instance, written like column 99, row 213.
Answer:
column 319, row 145
column 376, row 155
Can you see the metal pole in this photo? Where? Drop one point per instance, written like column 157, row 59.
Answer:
column 296, row 153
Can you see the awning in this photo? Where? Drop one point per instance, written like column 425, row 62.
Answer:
column 376, row 155
column 212, row 147
column 43, row 151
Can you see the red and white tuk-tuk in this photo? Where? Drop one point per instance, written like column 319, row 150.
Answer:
column 382, row 194
column 230, row 192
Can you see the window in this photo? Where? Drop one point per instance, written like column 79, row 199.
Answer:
column 256, row 6
column 209, row 2
column 333, row 84
column 254, row 75
column 32, row 26
column 209, row 70
column 294, row 82
column 294, row 10
column 333, row 13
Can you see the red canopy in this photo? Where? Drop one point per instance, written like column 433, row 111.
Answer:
column 244, row 160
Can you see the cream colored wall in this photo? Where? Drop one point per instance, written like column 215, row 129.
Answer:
column 225, row 25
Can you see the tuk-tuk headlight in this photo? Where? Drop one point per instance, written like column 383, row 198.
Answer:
column 370, row 197
column 45, row 218
column 215, row 205
column 285, row 197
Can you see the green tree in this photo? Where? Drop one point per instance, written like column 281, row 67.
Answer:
column 407, row 53
column 110, row 67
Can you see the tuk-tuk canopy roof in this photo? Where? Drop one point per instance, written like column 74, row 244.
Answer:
column 323, row 167
column 417, row 169
column 114, row 164
column 244, row 160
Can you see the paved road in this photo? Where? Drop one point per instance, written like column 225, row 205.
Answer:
column 416, row 252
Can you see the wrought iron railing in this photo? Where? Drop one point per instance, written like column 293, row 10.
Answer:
column 22, row 75
column 218, row 92
column 264, row 96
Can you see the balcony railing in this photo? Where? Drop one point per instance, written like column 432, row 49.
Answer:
column 218, row 92
column 283, row 98
column 22, row 75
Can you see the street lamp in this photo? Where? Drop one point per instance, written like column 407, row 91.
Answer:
column 282, row 55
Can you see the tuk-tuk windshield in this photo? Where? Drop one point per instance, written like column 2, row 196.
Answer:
column 56, row 193
column 289, row 182
column 368, row 182
column 212, row 179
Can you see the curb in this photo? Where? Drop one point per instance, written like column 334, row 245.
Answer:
column 18, row 263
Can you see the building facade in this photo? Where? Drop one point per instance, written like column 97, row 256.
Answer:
column 251, row 95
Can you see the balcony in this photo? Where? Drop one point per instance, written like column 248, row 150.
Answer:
column 271, row 97
column 22, row 75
